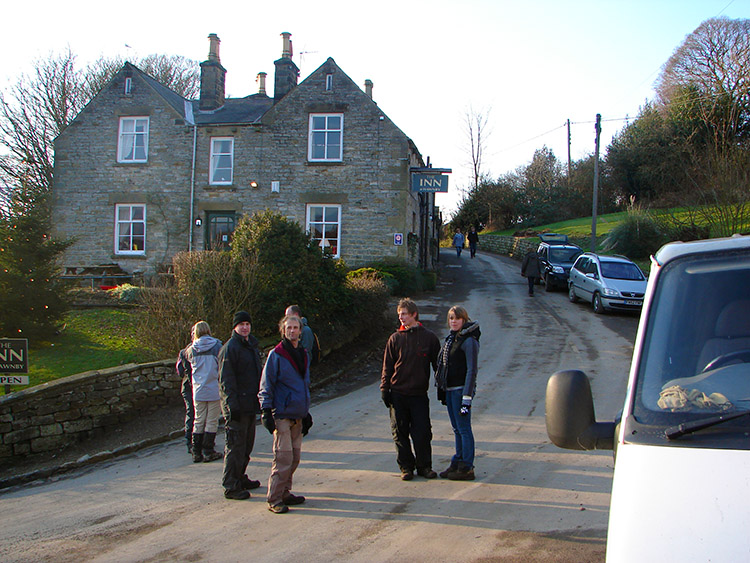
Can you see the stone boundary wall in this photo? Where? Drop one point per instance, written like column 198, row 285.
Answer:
column 59, row 413
column 515, row 247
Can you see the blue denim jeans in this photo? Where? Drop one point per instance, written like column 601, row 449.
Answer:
column 461, row 428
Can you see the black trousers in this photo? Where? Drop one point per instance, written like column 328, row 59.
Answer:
column 240, row 439
column 187, row 396
column 410, row 418
column 531, row 280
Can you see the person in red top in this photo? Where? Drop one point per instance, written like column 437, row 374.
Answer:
column 409, row 354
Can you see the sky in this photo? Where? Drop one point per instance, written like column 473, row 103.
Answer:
column 528, row 65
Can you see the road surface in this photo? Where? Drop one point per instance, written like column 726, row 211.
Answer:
column 531, row 501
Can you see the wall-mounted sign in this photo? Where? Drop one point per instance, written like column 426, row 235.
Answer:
column 429, row 182
column 398, row 239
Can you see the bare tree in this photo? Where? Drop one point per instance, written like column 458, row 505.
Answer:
column 477, row 132
column 710, row 74
column 41, row 104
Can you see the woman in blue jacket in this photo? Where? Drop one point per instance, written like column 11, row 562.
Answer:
column 285, row 404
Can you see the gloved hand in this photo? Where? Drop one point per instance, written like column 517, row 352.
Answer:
column 465, row 405
column 441, row 395
column 266, row 418
column 306, row 424
column 386, row 396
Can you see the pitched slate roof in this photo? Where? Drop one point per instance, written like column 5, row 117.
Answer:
column 235, row 110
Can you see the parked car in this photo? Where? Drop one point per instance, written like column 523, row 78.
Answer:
column 680, row 488
column 556, row 256
column 607, row 282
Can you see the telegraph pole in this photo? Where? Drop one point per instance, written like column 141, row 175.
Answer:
column 568, row 152
column 598, row 128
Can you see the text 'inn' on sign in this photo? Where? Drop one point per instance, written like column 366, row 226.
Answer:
column 429, row 179
column 14, row 355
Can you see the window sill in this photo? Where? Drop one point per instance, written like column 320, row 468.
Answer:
column 325, row 163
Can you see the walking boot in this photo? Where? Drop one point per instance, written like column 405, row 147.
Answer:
column 197, row 446
column 208, row 447
column 452, row 467
column 462, row 473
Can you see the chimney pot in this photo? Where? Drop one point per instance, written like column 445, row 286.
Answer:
column 368, row 88
column 286, row 50
column 213, row 49
column 261, row 80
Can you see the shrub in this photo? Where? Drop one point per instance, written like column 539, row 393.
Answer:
column 126, row 293
column 408, row 279
column 638, row 236
column 387, row 279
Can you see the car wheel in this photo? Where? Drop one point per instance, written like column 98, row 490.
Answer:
column 598, row 306
column 547, row 283
column 572, row 294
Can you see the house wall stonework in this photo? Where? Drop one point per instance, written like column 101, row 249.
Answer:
column 371, row 183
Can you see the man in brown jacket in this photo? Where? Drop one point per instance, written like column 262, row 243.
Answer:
column 405, row 378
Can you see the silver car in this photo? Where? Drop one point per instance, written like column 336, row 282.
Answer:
column 607, row 282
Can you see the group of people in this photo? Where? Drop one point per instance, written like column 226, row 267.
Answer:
column 459, row 241
column 229, row 380
column 409, row 354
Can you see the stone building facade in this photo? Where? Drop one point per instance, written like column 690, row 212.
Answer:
column 142, row 173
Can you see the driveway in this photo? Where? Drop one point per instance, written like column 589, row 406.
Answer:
column 531, row 501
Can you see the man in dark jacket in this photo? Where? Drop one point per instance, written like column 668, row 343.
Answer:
column 239, row 381
column 409, row 353
column 530, row 269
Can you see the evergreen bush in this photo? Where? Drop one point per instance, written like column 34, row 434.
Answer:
column 638, row 236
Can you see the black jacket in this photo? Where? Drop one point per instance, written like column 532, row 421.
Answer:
column 239, row 376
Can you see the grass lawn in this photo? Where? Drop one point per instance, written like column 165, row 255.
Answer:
column 92, row 339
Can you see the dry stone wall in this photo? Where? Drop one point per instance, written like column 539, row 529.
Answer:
column 515, row 247
column 59, row 413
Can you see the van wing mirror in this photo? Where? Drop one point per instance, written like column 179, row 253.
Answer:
column 571, row 422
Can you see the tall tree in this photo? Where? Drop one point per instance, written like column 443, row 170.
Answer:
column 42, row 103
column 710, row 74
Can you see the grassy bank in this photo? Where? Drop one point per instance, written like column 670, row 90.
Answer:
column 90, row 339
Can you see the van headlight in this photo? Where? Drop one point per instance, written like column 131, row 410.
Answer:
column 610, row 292
column 558, row 269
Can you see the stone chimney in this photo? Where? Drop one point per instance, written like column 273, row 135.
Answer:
column 213, row 77
column 287, row 72
column 261, row 80
column 368, row 88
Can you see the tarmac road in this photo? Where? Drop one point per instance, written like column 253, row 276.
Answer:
column 531, row 501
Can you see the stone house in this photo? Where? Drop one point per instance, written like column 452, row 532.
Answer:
column 143, row 173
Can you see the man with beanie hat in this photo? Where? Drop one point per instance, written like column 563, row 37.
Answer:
column 239, row 382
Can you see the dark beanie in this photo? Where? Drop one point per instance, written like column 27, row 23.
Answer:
column 241, row 317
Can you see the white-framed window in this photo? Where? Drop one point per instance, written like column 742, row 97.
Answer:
column 130, row 228
column 132, row 143
column 222, row 160
column 326, row 137
column 324, row 225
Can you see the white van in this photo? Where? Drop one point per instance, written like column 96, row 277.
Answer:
column 681, row 485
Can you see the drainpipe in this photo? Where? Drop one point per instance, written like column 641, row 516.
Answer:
column 192, row 190
column 190, row 118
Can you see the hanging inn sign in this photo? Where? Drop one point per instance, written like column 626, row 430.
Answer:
column 429, row 179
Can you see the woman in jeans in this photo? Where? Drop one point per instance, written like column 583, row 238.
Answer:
column 456, row 380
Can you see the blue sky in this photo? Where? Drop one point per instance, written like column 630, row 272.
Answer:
column 534, row 64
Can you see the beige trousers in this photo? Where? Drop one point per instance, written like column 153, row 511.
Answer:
column 287, row 445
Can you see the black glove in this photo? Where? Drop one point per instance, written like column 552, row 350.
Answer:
column 465, row 406
column 306, row 424
column 441, row 395
column 266, row 418
column 386, row 396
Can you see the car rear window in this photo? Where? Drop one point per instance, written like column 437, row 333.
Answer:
column 563, row 254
